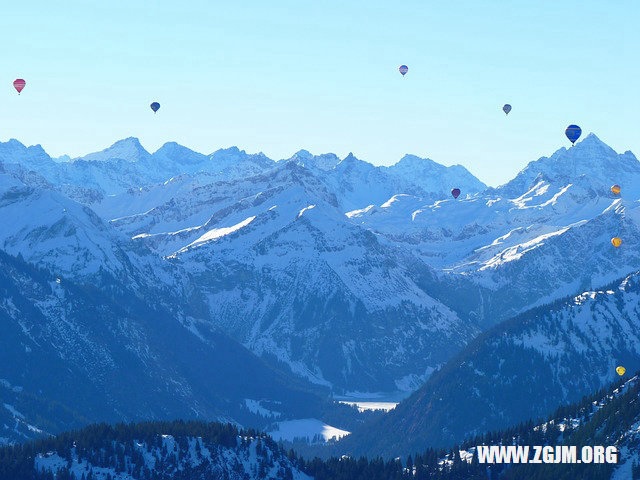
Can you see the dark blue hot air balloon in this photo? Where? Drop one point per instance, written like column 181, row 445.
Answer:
column 506, row 109
column 155, row 106
column 403, row 69
column 573, row 133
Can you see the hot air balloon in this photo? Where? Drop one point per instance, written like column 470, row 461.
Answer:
column 620, row 370
column 403, row 69
column 455, row 192
column 19, row 84
column 155, row 106
column 616, row 242
column 573, row 133
column 615, row 189
column 506, row 109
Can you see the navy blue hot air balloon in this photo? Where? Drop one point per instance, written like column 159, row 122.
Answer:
column 506, row 109
column 155, row 106
column 573, row 133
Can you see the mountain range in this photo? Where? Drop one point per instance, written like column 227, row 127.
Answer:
column 188, row 273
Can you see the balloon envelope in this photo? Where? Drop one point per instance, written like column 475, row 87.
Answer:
column 616, row 189
column 19, row 84
column 621, row 370
column 506, row 109
column 455, row 192
column 573, row 133
column 403, row 69
column 616, row 242
column 155, row 106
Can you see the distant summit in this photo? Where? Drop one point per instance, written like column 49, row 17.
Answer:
column 591, row 158
column 128, row 149
column 432, row 176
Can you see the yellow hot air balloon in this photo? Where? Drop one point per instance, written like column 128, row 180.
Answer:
column 616, row 189
column 621, row 370
column 616, row 242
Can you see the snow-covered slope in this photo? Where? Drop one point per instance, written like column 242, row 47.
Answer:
column 544, row 235
column 286, row 273
column 129, row 150
column 103, row 353
column 520, row 370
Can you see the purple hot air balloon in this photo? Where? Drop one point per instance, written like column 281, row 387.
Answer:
column 455, row 192
column 403, row 69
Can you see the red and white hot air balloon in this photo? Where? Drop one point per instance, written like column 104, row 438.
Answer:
column 19, row 84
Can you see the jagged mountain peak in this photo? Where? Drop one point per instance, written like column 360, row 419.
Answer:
column 172, row 146
column 350, row 157
column 591, row 158
column 177, row 153
column 14, row 151
column 229, row 151
column 128, row 149
column 434, row 177
column 233, row 155
column 301, row 154
column 353, row 163
column 410, row 162
column 324, row 161
column 410, row 159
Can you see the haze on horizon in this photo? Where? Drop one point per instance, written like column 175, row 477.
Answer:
column 282, row 77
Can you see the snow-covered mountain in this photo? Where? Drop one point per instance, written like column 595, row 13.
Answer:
column 98, row 352
column 540, row 237
column 590, row 158
column 355, row 276
column 433, row 177
column 286, row 273
column 522, row 369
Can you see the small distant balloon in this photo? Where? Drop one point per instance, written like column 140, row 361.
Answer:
column 506, row 109
column 573, row 133
column 621, row 370
column 455, row 192
column 19, row 84
column 615, row 189
column 403, row 69
column 616, row 242
column 155, row 106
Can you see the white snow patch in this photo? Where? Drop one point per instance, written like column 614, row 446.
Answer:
column 305, row 209
column 356, row 213
column 306, row 428
column 217, row 233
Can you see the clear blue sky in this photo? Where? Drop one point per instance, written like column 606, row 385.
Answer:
column 279, row 76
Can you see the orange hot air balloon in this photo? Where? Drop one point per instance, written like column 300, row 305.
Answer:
column 616, row 242
column 616, row 189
